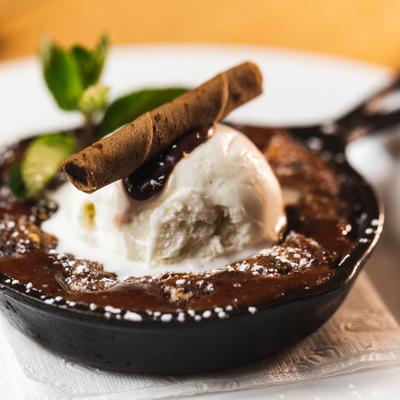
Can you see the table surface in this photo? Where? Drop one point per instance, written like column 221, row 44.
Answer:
column 367, row 30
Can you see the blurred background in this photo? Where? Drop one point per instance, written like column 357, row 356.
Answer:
column 364, row 29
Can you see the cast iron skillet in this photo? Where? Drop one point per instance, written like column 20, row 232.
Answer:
column 180, row 348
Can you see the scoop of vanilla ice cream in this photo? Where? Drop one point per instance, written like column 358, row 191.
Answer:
column 219, row 199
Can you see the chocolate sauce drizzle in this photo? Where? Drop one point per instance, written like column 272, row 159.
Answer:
column 150, row 178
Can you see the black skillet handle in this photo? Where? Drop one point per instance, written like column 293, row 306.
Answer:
column 379, row 111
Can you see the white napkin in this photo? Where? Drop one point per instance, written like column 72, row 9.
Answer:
column 363, row 334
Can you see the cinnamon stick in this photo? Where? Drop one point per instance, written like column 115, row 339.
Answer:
column 121, row 153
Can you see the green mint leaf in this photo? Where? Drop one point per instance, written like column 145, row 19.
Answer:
column 94, row 99
column 42, row 160
column 91, row 62
column 62, row 75
column 68, row 72
column 132, row 105
column 17, row 184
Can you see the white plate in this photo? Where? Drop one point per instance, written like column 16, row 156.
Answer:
column 299, row 88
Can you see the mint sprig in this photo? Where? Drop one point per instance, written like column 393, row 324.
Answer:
column 70, row 73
